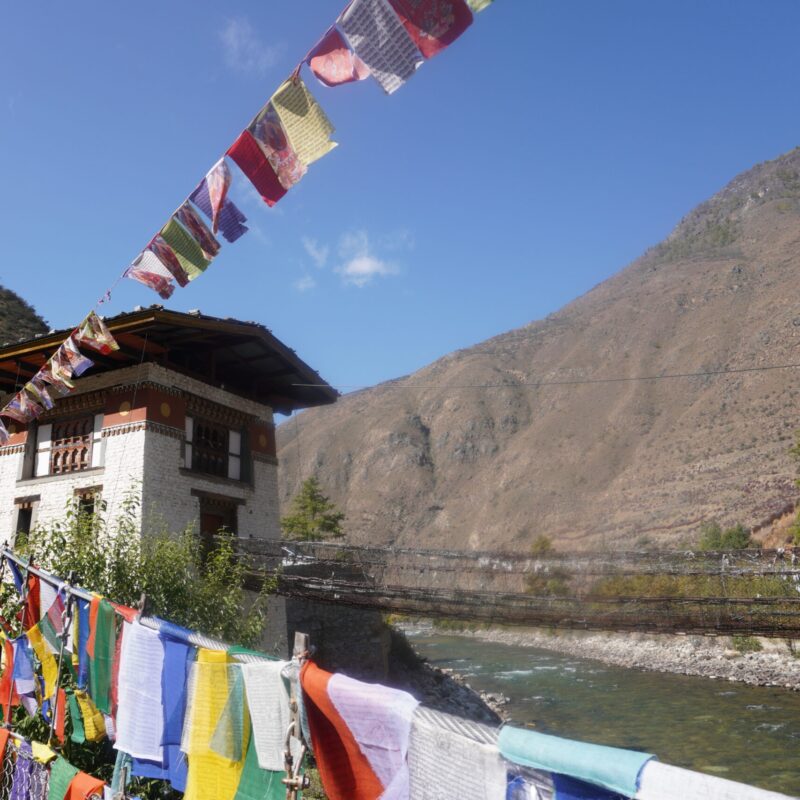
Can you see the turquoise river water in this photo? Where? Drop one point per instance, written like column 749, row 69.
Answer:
column 744, row 733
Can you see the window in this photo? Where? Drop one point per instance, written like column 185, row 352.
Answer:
column 87, row 500
column 69, row 445
column 213, row 449
column 26, row 508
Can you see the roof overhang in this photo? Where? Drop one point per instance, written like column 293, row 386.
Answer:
column 241, row 357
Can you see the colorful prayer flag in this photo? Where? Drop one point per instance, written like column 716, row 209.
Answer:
column 218, row 181
column 163, row 251
column 231, row 220
column 38, row 391
column 46, row 659
column 149, row 271
column 101, row 646
column 94, row 334
column 270, row 136
column 334, row 63
column 69, row 356
column 4, row 434
column 378, row 37
column 253, row 163
column 305, row 123
column 186, row 249
column 190, row 220
column 56, row 376
column 22, row 408
column 433, row 24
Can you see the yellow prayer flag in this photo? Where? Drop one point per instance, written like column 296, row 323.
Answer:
column 304, row 121
column 94, row 726
column 47, row 660
column 210, row 776
column 42, row 753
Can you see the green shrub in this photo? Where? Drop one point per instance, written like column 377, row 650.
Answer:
column 746, row 644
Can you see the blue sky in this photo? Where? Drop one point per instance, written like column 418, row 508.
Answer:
column 548, row 147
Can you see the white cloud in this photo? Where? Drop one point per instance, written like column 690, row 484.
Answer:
column 244, row 51
column 360, row 264
column 316, row 252
column 304, row 284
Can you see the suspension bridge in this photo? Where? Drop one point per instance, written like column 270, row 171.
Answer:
column 752, row 592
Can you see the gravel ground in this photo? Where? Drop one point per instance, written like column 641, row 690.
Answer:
column 710, row 657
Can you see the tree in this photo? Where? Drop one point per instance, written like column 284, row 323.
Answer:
column 204, row 593
column 712, row 537
column 314, row 517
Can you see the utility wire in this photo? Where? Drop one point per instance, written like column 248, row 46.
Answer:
column 566, row 382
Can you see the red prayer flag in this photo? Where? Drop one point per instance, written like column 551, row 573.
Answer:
column 94, row 605
column 83, row 786
column 252, row 161
column 345, row 771
column 61, row 713
column 30, row 611
column 6, row 683
column 433, row 24
column 334, row 63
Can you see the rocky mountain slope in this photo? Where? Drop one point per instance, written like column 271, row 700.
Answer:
column 622, row 464
column 18, row 320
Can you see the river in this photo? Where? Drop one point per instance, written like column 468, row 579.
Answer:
column 735, row 731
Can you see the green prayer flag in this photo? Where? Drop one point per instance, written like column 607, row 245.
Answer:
column 479, row 5
column 61, row 775
column 188, row 251
column 101, row 664
column 78, row 734
column 49, row 633
column 257, row 783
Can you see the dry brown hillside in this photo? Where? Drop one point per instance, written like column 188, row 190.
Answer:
column 620, row 464
column 18, row 320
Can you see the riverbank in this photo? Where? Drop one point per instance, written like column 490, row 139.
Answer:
column 704, row 656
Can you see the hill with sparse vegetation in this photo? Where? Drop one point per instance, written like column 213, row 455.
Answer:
column 552, row 448
column 18, row 319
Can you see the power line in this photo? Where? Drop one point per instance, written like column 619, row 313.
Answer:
column 565, row 382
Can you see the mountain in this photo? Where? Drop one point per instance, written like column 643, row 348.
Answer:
column 18, row 319
column 626, row 464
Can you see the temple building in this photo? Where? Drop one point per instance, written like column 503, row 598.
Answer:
column 179, row 420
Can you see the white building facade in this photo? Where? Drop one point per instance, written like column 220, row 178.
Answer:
column 175, row 429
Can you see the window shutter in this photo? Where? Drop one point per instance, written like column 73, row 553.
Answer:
column 187, row 447
column 98, row 442
column 234, row 455
column 43, row 445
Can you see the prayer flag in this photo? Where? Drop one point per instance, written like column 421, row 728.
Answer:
column 378, row 37
column 94, row 334
column 334, row 63
column 268, row 704
column 81, row 657
column 94, row 725
column 22, row 408
column 164, row 252
column 140, row 717
column 149, row 271
column 46, row 659
column 102, row 641
column 4, row 434
column 433, row 24
column 231, row 220
column 257, row 783
column 38, row 391
column 268, row 132
column 190, row 220
column 83, row 786
column 479, row 5
column 360, row 733
column 4, row 734
column 210, row 776
column 188, row 251
column 51, row 609
column 610, row 767
column 78, row 736
column 55, row 376
column 61, row 775
column 218, row 181
column 253, row 163
column 449, row 765
column 69, row 357
column 8, row 695
column 305, row 123
column 23, row 768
